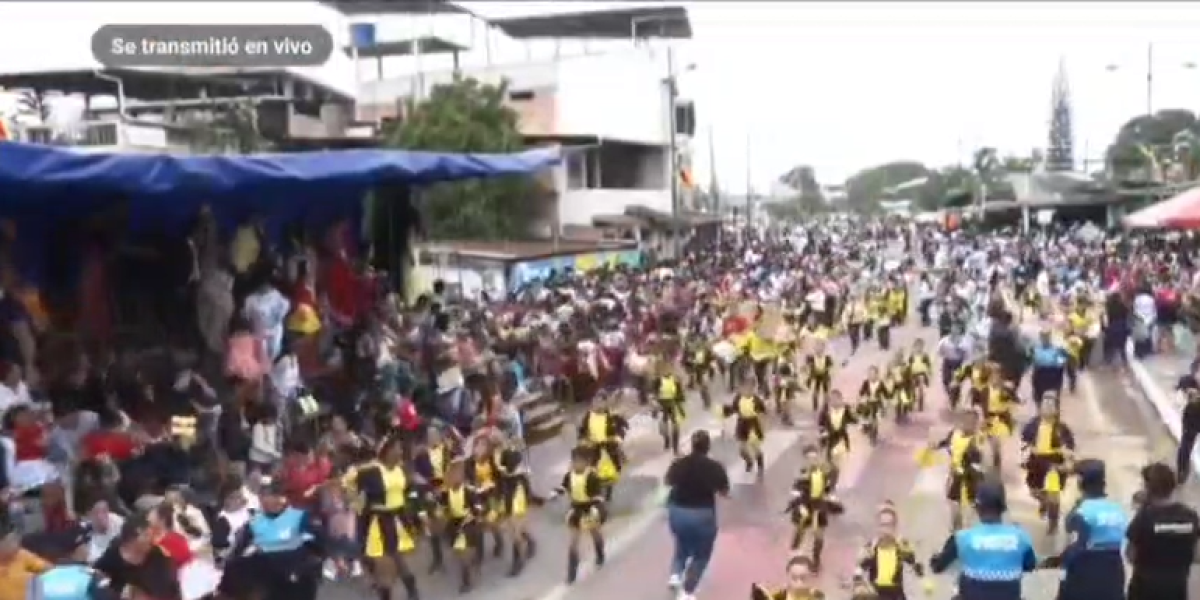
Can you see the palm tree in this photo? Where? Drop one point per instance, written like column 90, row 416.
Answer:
column 987, row 169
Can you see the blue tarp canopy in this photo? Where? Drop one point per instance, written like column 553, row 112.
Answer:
column 164, row 190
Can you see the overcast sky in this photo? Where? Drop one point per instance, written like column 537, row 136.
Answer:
column 845, row 85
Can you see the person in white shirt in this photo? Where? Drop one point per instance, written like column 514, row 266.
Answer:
column 105, row 527
column 13, row 390
column 266, row 441
column 267, row 309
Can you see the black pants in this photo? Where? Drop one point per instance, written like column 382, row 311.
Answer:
column 923, row 308
column 854, row 332
column 1190, row 423
column 1045, row 379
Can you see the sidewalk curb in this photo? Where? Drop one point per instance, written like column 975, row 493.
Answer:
column 1168, row 413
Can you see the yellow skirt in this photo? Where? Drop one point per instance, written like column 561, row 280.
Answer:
column 385, row 533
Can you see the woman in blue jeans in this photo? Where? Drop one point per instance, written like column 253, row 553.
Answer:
column 695, row 481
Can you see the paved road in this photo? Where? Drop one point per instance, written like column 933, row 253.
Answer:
column 754, row 534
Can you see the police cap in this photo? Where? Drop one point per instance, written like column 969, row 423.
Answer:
column 990, row 496
column 1090, row 472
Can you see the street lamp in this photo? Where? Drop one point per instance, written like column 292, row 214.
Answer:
column 1150, row 65
column 671, row 87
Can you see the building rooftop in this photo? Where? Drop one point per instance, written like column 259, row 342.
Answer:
column 424, row 45
column 394, row 7
column 645, row 22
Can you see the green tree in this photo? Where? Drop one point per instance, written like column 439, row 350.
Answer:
column 467, row 116
column 867, row 187
column 1146, row 142
column 809, row 196
column 1017, row 164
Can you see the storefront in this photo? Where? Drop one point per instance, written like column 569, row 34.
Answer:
column 523, row 273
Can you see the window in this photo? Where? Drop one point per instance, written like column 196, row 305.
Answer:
column 576, row 170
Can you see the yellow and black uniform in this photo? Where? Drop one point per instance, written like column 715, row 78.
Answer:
column 670, row 396
column 699, row 363
column 460, row 508
column 602, row 431
column 758, row 592
column 585, row 492
column 514, row 488
column 966, row 465
column 820, row 375
column 855, row 318
column 812, row 500
column 975, row 376
column 1047, row 443
column 748, row 428
column 834, row 423
column 919, row 365
column 882, row 563
column 386, row 521
column 997, row 410
column 748, row 410
column 431, row 462
column 785, row 370
column 1074, row 345
column 897, row 304
column 483, row 474
column 871, row 398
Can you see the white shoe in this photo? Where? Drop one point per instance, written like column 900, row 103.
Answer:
column 684, row 596
column 329, row 570
column 675, row 581
column 356, row 569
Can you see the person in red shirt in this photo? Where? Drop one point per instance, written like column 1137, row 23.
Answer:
column 172, row 543
column 303, row 474
column 109, row 442
column 28, row 434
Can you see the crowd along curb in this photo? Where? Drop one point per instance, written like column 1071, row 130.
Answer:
column 1161, row 401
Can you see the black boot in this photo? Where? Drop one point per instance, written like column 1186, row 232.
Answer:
column 464, row 583
column 518, row 560
column 818, row 547
column 498, row 550
column 383, row 593
column 530, row 546
column 410, row 586
column 572, row 566
column 438, row 557
column 758, row 462
column 599, row 548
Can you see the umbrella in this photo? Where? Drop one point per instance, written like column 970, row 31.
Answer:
column 1179, row 212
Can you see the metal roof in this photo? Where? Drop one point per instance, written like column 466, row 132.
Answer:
column 424, row 45
column 394, row 7
column 646, row 22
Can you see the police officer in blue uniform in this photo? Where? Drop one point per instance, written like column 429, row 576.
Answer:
column 1049, row 367
column 72, row 579
column 994, row 555
column 278, row 551
column 1093, row 568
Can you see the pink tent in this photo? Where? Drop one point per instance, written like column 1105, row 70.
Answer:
column 1179, row 212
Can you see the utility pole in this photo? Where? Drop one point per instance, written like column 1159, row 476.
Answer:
column 1150, row 78
column 672, row 91
column 749, row 181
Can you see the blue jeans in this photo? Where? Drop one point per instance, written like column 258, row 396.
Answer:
column 695, row 533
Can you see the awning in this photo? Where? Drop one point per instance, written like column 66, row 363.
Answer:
column 1179, row 212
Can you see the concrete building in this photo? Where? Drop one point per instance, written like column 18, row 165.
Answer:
column 149, row 109
column 599, row 84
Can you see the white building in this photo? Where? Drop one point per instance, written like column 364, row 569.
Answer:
column 597, row 83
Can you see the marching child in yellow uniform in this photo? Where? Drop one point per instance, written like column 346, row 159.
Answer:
column 670, row 408
column 587, row 513
column 748, row 410
column 460, row 509
column 801, row 584
column 964, row 447
column 813, row 502
column 882, row 562
column 602, row 430
column 1047, row 444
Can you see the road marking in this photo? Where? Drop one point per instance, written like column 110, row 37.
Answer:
column 648, row 514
